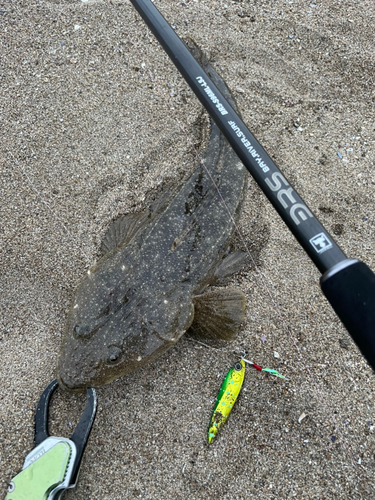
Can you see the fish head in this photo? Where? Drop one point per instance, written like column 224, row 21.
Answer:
column 104, row 343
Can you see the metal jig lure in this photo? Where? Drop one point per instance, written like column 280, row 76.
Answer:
column 229, row 392
column 226, row 398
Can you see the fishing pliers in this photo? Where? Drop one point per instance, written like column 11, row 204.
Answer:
column 53, row 465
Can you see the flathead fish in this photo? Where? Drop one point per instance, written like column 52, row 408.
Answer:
column 151, row 285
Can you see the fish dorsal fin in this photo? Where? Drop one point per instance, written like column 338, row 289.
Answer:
column 122, row 231
column 218, row 315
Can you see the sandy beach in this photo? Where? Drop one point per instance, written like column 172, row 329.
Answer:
column 90, row 110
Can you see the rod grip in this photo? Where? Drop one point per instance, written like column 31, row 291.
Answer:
column 350, row 288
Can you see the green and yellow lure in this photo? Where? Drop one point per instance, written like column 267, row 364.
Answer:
column 226, row 398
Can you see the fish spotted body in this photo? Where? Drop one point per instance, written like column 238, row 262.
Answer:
column 149, row 287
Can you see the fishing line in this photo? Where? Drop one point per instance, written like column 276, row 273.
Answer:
column 316, row 389
column 318, row 393
column 263, row 281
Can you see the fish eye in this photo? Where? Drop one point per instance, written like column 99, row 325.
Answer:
column 238, row 367
column 84, row 332
column 114, row 355
column 79, row 331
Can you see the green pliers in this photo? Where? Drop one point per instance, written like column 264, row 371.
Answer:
column 53, row 465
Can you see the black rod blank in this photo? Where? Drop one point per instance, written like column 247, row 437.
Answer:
column 349, row 285
column 309, row 232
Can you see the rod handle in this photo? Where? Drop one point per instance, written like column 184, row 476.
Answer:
column 350, row 288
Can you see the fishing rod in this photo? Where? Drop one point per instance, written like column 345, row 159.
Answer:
column 348, row 284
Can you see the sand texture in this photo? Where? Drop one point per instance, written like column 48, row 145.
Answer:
column 85, row 135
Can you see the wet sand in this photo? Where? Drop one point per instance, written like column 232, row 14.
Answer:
column 86, row 134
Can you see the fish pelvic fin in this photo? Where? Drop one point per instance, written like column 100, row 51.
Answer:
column 231, row 264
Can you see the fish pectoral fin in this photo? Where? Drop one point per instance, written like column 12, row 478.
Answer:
column 231, row 264
column 218, row 315
column 122, row 231
column 127, row 227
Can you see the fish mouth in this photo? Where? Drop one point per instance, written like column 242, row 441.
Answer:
column 76, row 370
column 65, row 386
